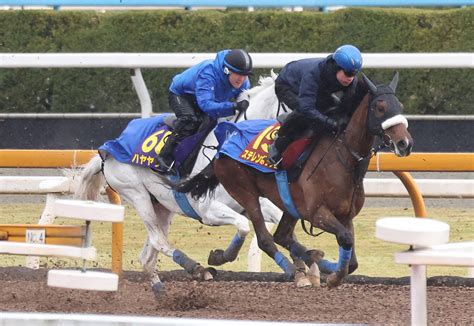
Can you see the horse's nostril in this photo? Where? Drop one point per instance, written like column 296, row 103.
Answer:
column 405, row 146
column 402, row 144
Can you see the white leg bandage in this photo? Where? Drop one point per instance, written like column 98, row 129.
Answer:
column 393, row 121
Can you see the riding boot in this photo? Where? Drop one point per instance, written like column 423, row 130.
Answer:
column 292, row 128
column 164, row 161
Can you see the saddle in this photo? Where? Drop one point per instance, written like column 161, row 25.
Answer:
column 170, row 121
column 248, row 142
column 185, row 154
column 296, row 155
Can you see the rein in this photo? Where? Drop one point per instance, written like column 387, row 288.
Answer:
column 208, row 147
column 237, row 117
column 244, row 112
column 310, row 232
column 360, row 169
column 303, row 225
column 283, row 106
column 360, row 159
column 324, row 155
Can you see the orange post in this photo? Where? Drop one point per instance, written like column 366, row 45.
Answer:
column 415, row 194
column 425, row 162
column 117, row 235
column 32, row 158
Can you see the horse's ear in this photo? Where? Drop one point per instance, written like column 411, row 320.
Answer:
column 394, row 82
column 372, row 87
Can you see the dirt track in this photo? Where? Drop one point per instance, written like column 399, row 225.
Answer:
column 249, row 296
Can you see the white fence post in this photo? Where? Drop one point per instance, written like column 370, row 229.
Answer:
column 47, row 218
column 142, row 92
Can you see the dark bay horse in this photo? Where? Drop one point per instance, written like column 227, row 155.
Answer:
column 329, row 192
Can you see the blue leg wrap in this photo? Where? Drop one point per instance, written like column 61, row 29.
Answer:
column 178, row 257
column 344, row 257
column 234, row 247
column 283, row 262
column 184, row 261
column 328, row 267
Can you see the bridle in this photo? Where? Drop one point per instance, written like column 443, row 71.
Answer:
column 362, row 161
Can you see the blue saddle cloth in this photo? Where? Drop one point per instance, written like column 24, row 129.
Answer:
column 143, row 139
column 138, row 142
column 234, row 140
column 247, row 142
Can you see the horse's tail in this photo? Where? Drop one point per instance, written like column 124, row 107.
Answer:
column 201, row 184
column 91, row 180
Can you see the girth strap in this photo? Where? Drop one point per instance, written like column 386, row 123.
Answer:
column 281, row 178
column 183, row 202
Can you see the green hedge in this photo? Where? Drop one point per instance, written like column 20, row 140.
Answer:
column 423, row 91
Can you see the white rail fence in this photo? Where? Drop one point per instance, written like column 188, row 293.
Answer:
column 260, row 60
column 374, row 187
column 55, row 186
column 48, row 319
column 136, row 61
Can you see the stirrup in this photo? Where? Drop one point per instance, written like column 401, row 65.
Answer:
column 274, row 155
column 163, row 167
column 275, row 160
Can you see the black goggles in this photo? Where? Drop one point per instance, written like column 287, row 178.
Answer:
column 349, row 73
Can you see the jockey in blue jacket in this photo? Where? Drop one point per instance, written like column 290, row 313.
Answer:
column 307, row 86
column 209, row 88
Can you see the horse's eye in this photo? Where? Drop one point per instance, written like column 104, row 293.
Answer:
column 380, row 108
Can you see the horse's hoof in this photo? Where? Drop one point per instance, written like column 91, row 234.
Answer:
column 333, row 280
column 208, row 276
column 211, row 271
column 158, row 289
column 216, row 258
column 314, row 276
column 301, row 280
column 204, row 274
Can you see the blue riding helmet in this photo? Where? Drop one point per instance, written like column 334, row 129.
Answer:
column 348, row 57
column 238, row 61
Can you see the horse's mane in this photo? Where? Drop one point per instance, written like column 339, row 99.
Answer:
column 263, row 83
column 353, row 100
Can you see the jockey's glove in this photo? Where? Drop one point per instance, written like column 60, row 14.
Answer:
column 241, row 106
column 331, row 124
